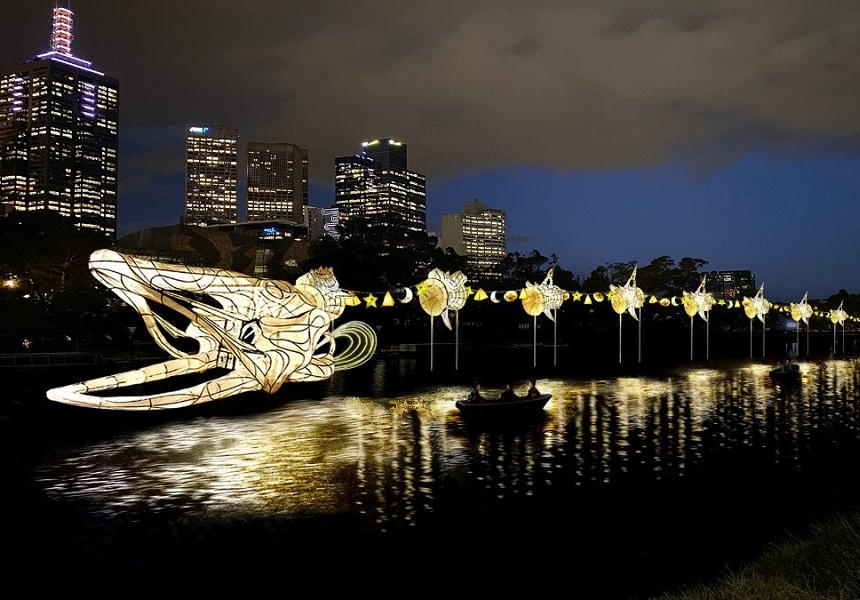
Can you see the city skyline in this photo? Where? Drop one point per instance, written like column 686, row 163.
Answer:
column 606, row 133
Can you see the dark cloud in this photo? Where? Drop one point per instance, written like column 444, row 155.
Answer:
column 562, row 86
column 571, row 85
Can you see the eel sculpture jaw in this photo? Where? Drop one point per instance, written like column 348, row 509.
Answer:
column 263, row 332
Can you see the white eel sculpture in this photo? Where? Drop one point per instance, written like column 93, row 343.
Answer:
column 263, row 332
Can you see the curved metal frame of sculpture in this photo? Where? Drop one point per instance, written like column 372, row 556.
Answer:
column 264, row 332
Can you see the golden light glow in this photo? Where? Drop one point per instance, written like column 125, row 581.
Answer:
column 838, row 315
column 352, row 300
column 699, row 302
column 443, row 292
column 756, row 307
column 801, row 311
column 545, row 297
column 627, row 298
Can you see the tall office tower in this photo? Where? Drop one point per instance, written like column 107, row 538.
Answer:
column 59, row 135
column 378, row 186
column 277, row 181
column 480, row 234
column 211, row 175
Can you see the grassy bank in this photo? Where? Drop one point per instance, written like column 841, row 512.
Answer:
column 825, row 564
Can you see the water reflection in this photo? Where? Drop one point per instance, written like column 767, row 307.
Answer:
column 395, row 461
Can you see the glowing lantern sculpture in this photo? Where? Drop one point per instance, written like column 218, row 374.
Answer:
column 627, row 298
column 756, row 308
column 838, row 316
column 698, row 303
column 438, row 294
column 801, row 312
column 545, row 298
column 263, row 332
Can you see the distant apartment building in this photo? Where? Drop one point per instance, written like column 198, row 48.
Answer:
column 730, row 285
column 59, row 135
column 211, row 175
column 377, row 185
column 277, row 181
column 480, row 234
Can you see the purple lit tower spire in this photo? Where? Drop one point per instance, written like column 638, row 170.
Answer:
column 61, row 32
column 59, row 150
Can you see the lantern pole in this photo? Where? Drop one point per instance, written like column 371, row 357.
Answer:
column 431, row 342
column 457, row 340
column 691, row 338
column 751, row 329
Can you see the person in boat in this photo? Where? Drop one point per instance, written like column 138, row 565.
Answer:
column 475, row 394
column 507, row 393
column 533, row 392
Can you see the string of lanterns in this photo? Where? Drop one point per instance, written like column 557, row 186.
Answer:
column 442, row 292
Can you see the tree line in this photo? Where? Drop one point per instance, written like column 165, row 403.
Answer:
column 46, row 281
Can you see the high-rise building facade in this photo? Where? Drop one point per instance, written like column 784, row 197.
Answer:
column 480, row 234
column 277, row 181
column 211, row 175
column 377, row 185
column 59, row 135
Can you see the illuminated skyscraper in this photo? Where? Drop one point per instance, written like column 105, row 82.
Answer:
column 59, row 135
column 480, row 234
column 378, row 186
column 211, row 175
column 277, row 181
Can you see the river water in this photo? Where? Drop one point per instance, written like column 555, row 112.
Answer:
column 624, row 487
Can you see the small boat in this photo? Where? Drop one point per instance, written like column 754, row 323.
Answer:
column 785, row 373
column 517, row 406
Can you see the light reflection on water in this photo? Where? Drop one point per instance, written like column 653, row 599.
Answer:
column 394, row 461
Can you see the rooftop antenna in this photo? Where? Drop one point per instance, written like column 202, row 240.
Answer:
column 61, row 30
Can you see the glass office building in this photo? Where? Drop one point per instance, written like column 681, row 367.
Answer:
column 211, row 175
column 59, row 135
column 377, row 185
column 277, row 181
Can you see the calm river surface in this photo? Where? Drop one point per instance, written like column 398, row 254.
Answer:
column 624, row 487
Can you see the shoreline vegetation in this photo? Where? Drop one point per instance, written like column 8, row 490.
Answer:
column 822, row 563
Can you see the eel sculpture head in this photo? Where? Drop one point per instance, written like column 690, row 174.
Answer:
column 261, row 332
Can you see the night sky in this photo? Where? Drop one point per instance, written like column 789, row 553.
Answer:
column 608, row 130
